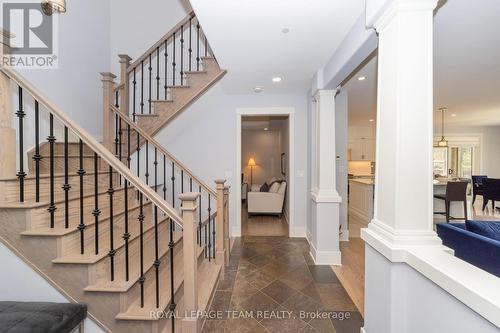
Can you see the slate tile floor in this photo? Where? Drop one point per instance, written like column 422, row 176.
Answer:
column 272, row 286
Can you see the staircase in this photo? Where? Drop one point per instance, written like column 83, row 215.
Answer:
column 121, row 225
column 168, row 77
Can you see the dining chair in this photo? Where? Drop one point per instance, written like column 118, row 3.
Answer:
column 477, row 186
column 491, row 191
column 455, row 191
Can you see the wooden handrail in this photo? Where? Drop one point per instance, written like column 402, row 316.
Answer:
column 160, row 42
column 97, row 147
column 162, row 150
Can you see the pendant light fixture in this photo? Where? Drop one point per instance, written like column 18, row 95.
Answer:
column 50, row 7
column 443, row 142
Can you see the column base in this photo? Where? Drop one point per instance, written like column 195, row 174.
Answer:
column 325, row 257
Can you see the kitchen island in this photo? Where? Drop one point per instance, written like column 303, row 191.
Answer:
column 361, row 193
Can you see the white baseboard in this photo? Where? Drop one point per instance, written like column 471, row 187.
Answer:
column 325, row 257
column 235, row 232
column 298, row 232
column 344, row 236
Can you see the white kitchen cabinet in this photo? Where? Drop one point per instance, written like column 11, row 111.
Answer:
column 362, row 149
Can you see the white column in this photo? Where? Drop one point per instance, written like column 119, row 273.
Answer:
column 324, row 236
column 403, row 212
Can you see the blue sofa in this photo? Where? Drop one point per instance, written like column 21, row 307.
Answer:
column 477, row 242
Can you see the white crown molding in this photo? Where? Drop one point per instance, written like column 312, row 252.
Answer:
column 388, row 12
column 325, row 196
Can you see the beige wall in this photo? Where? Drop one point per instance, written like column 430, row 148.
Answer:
column 264, row 147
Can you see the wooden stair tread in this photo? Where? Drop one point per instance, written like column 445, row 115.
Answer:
column 90, row 258
column 122, row 285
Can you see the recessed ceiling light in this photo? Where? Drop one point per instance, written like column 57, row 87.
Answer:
column 361, row 78
column 285, row 30
column 371, row 120
column 276, row 79
column 265, row 128
column 258, row 89
column 453, row 114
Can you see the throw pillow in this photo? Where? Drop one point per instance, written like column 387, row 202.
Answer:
column 274, row 188
column 264, row 188
column 484, row 228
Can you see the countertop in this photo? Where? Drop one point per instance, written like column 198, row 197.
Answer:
column 364, row 181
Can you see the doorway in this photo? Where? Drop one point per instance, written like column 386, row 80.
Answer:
column 265, row 172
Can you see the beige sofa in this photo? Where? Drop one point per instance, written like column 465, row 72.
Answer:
column 267, row 202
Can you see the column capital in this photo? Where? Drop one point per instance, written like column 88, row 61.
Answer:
column 324, row 93
column 124, row 58
column 220, row 183
column 377, row 15
column 108, row 77
column 189, row 201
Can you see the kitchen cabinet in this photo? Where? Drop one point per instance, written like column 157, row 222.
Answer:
column 361, row 149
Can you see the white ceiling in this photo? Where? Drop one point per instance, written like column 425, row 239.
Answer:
column 466, row 67
column 247, row 39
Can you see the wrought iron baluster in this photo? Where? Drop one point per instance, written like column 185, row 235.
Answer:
column 142, row 87
column 150, row 69
column 116, row 134
column 37, row 157
column 128, row 146
column 147, row 163
column 213, row 238
column 21, row 174
column 112, row 251
column 157, row 260
column 156, row 169
column 166, row 69
column 134, row 84
column 190, row 50
column 171, row 245
column 209, row 209
column 66, row 187
column 164, row 178
column 173, row 61
column 182, row 55
column 198, row 46
column 206, row 45
column 51, row 139
column 158, row 73
column 200, row 217
column 81, row 173
column 141, row 218
column 173, row 185
column 126, row 234
column 96, row 212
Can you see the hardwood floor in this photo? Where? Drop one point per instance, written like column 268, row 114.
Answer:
column 262, row 225
column 477, row 213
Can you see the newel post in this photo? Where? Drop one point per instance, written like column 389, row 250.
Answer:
column 7, row 133
column 220, row 243
column 227, row 238
column 108, row 85
column 124, row 83
column 189, row 206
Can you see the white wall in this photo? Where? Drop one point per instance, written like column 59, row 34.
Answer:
column 341, row 130
column 21, row 284
column 204, row 138
column 136, row 25
column 83, row 53
column 264, row 147
column 399, row 299
column 490, row 153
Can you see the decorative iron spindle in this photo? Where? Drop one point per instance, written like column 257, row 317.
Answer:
column 171, row 245
column 141, row 218
column 150, row 69
column 112, row 251
column 206, row 45
column 134, row 84
column 209, row 209
column 182, row 55
column 116, row 134
column 157, row 260
column 173, row 60
column 96, row 212
column 142, row 87
column 147, row 163
column 190, row 184
column 51, row 139
column 126, row 234
column 157, row 73
column 37, row 157
column 190, row 50
column 66, row 187
column 182, row 182
column 128, row 146
column 164, row 178
column 156, row 169
column 21, row 174
column 117, row 98
column 166, row 69
column 173, row 185
column 199, row 217
column 81, row 173
column 213, row 237
column 198, row 46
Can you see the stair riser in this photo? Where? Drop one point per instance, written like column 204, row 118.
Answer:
column 70, row 244
column 40, row 217
column 73, row 148
column 10, row 192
